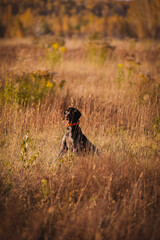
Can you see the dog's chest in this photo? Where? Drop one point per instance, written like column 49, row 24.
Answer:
column 72, row 141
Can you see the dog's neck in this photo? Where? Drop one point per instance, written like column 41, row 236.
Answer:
column 72, row 124
column 73, row 129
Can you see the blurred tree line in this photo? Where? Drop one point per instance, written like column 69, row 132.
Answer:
column 113, row 18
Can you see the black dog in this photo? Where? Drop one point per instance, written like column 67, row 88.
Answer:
column 74, row 141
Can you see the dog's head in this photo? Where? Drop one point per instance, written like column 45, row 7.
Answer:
column 72, row 115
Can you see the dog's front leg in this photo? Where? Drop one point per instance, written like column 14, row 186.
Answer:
column 64, row 147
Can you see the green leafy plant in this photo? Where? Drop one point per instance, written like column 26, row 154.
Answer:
column 120, row 76
column 26, row 159
column 28, row 88
column 156, row 125
column 148, row 88
column 126, row 72
column 131, row 69
column 55, row 53
column 45, row 188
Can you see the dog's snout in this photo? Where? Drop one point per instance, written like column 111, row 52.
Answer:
column 68, row 114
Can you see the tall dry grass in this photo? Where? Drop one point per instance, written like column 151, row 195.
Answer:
column 115, row 195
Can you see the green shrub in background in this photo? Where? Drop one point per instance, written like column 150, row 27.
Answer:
column 148, row 89
column 55, row 53
column 127, row 71
column 132, row 68
column 28, row 88
column 156, row 126
column 120, row 77
column 99, row 50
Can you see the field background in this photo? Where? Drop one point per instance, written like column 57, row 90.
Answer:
column 113, row 78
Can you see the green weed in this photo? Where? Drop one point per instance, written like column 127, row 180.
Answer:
column 127, row 72
column 120, row 78
column 45, row 188
column 156, row 126
column 131, row 69
column 28, row 88
column 98, row 51
column 54, row 53
column 148, row 88
column 26, row 145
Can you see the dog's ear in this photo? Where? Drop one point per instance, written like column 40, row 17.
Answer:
column 78, row 113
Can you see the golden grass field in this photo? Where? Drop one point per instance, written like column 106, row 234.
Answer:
column 115, row 195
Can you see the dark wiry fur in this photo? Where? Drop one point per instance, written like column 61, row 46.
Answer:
column 74, row 140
